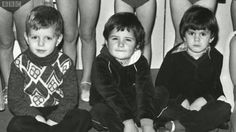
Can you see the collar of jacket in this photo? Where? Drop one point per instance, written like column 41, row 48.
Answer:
column 134, row 58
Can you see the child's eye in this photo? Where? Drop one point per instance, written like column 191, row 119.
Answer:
column 203, row 34
column 49, row 38
column 190, row 33
column 114, row 38
column 129, row 40
column 33, row 37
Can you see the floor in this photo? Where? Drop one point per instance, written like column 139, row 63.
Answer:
column 5, row 116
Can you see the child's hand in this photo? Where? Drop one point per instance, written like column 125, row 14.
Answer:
column 222, row 98
column 198, row 104
column 51, row 122
column 185, row 104
column 39, row 118
column 147, row 125
column 130, row 126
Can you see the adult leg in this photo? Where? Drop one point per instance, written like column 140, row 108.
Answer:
column 2, row 104
column 147, row 16
column 233, row 13
column 121, row 6
column 177, row 8
column 68, row 9
column 104, row 117
column 26, row 124
column 88, row 11
column 6, row 50
column 38, row 2
column 232, row 64
column 19, row 18
column 210, row 4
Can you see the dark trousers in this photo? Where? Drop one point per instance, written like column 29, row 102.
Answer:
column 209, row 117
column 74, row 121
column 104, row 118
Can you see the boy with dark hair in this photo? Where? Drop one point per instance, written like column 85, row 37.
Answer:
column 122, row 91
column 190, row 73
column 42, row 85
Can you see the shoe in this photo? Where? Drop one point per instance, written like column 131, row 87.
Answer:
column 85, row 91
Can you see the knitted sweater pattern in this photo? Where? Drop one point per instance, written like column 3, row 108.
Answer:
column 42, row 82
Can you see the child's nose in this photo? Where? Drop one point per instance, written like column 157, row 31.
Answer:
column 121, row 43
column 197, row 37
column 41, row 42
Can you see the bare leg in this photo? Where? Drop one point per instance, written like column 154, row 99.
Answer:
column 233, row 13
column 88, row 12
column 38, row 2
column 232, row 64
column 19, row 18
column 121, row 6
column 178, row 7
column 147, row 16
column 68, row 9
column 6, row 48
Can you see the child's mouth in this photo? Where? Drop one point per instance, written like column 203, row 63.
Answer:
column 41, row 51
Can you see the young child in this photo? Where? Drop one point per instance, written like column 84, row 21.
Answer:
column 145, row 10
column 122, row 91
column 178, row 7
column 190, row 73
column 42, row 85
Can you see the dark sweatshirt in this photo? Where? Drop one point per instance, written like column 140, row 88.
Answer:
column 187, row 78
column 128, row 90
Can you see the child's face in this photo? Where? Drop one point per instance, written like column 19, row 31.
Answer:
column 121, row 44
column 197, row 41
column 42, row 42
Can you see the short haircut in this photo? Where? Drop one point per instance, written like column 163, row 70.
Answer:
column 44, row 17
column 125, row 21
column 199, row 18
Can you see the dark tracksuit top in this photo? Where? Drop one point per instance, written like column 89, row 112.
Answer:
column 128, row 90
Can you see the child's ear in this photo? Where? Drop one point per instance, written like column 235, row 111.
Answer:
column 211, row 39
column 137, row 47
column 26, row 38
column 59, row 39
column 106, row 43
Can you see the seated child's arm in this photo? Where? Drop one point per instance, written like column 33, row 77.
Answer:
column 17, row 100
column 106, row 86
column 70, row 93
column 144, row 90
